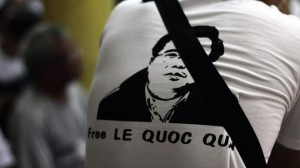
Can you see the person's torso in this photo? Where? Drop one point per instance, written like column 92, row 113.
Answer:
column 259, row 65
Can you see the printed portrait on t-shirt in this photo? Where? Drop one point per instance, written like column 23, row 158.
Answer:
column 164, row 91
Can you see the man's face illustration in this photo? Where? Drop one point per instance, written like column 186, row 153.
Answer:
column 167, row 73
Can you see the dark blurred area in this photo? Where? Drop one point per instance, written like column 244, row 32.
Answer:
column 118, row 1
column 16, row 20
column 39, row 67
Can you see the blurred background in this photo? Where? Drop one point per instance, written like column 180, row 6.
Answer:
column 48, row 53
column 85, row 20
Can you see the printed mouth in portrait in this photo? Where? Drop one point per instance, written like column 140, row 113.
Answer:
column 175, row 76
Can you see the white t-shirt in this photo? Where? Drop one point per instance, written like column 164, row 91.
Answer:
column 260, row 64
column 12, row 76
column 11, row 68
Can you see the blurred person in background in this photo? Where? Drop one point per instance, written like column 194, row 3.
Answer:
column 16, row 20
column 48, row 126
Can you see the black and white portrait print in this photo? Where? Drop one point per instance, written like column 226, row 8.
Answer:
column 164, row 91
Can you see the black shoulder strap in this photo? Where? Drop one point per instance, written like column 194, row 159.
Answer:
column 210, row 84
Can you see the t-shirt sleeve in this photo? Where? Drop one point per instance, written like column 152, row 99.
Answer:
column 289, row 135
